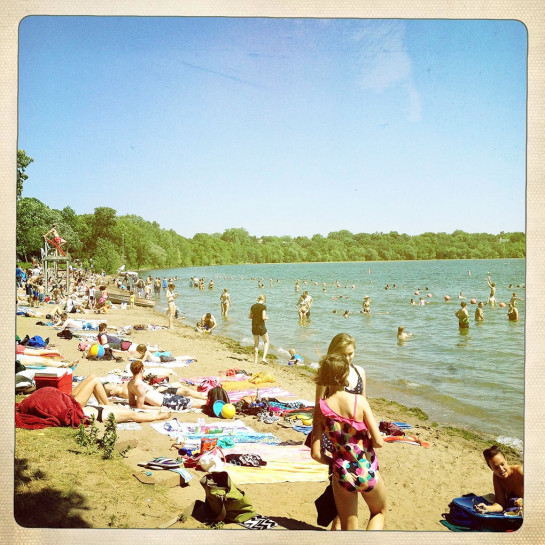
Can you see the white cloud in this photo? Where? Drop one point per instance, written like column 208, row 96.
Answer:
column 384, row 62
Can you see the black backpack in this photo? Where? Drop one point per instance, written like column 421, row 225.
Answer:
column 215, row 394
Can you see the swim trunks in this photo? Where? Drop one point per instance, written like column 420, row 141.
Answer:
column 354, row 462
column 176, row 402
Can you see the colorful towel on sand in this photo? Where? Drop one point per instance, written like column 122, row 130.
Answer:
column 227, row 426
column 275, row 391
column 278, row 453
column 218, row 378
column 279, row 472
column 48, row 407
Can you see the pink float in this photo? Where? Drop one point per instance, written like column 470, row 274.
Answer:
column 428, row 295
column 447, row 298
column 502, row 305
column 417, row 293
column 473, row 301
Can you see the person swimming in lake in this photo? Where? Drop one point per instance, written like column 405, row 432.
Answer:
column 514, row 299
column 346, row 314
column 513, row 313
column 479, row 314
column 403, row 335
column 492, row 297
column 463, row 316
column 366, row 306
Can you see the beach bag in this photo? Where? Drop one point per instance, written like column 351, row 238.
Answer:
column 36, row 342
column 65, row 334
column 389, row 428
column 215, row 394
column 461, row 513
column 224, row 501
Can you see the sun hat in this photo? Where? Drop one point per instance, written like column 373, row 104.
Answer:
column 217, row 407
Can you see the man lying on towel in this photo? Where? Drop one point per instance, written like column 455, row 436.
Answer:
column 508, row 483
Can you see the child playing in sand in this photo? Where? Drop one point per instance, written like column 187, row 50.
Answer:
column 295, row 359
column 350, row 426
column 131, row 300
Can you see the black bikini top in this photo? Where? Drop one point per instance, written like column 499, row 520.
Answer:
column 359, row 386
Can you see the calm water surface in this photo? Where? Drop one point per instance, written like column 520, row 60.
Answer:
column 474, row 380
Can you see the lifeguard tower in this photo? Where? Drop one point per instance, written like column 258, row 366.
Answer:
column 54, row 255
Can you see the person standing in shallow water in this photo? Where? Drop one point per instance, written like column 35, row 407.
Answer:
column 225, row 301
column 479, row 314
column 463, row 316
column 258, row 315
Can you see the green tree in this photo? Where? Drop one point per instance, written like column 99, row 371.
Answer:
column 23, row 160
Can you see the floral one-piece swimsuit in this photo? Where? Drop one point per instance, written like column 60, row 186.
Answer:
column 354, row 461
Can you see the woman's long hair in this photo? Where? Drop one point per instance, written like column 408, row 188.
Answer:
column 332, row 373
column 340, row 341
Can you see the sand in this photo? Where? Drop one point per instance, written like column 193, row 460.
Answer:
column 420, row 481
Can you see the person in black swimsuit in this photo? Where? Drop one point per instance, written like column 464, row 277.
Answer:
column 258, row 315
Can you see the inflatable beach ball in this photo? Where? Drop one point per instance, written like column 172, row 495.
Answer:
column 97, row 350
column 502, row 305
column 228, row 410
column 447, row 298
column 473, row 301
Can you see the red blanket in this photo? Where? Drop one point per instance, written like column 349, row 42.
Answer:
column 48, row 407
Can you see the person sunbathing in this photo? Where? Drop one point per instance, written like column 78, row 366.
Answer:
column 508, row 482
column 122, row 390
column 91, row 385
column 142, row 395
column 142, row 352
column 64, row 322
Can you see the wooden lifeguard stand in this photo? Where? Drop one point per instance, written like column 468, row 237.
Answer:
column 52, row 253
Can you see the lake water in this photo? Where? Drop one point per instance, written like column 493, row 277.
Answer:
column 473, row 380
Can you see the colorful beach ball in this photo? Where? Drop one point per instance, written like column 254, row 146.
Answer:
column 97, row 350
column 228, row 410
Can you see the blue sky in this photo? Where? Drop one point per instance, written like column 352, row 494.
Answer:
column 280, row 126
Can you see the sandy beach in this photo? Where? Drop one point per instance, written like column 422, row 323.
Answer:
column 420, row 481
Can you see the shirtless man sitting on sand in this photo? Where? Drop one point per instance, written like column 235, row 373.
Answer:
column 508, row 482
column 144, row 396
column 91, row 385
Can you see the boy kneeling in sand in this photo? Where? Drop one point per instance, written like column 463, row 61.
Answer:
column 144, row 396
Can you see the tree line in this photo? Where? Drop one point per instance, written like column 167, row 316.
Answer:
column 106, row 241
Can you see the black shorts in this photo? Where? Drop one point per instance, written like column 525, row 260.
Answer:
column 259, row 329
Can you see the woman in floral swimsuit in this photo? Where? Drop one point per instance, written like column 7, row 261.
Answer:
column 350, row 427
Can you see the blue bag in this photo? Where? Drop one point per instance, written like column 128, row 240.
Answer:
column 36, row 342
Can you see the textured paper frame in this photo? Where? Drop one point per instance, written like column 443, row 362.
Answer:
column 529, row 12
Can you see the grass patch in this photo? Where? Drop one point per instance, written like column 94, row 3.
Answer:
column 412, row 411
column 58, row 485
column 238, row 348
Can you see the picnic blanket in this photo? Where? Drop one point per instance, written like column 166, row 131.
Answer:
column 48, row 407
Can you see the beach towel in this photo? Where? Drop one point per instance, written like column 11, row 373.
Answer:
column 411, row 439
column 279, row 472
column 48, row 407
column 275, row 391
